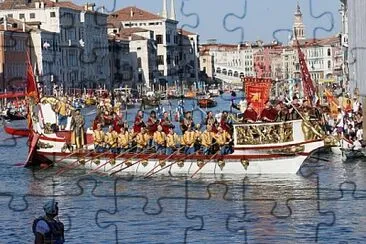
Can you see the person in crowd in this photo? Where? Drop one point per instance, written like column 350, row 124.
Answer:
column 63, row 110
column 250, row 115
column 172, row 142
column 77, row 125
column 207, row 138
column 211, row 120
column 139, row 122
column 142, row 140
column 98, row 136
column 159, row 139
column 223, row 140
column 269, row 113
column 188, row 140
column 186, row 122
column 111, row 139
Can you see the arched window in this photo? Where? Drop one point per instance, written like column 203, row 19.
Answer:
column 236, row 74
column 329, row 64
column 218, row 70
column 329, row 54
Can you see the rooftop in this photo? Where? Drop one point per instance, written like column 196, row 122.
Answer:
column 132, row 13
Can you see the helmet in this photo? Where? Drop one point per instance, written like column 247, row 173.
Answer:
column 51, row 207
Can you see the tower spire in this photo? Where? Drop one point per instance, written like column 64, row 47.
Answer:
column 164, row 14
column 298, row 27
column 172, row 10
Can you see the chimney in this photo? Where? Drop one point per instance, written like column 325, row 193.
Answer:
column 5, row 23
column 164, row 14
column 36, row 4
column 42, row 5
column 172, row 10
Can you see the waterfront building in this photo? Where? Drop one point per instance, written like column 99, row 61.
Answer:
column 81, row 40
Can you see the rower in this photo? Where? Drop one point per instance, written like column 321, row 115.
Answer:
column 142, row 139
column 250, row 115
column 186, row 121
column 188, row 140
column 98, row 136
column 159, row 140
column 206, row 140
column 223, row 139
column 172, row 141
column 211, row 120
column 111, row 139
column 123, row 140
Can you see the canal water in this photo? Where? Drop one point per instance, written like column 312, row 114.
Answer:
column 323, row 203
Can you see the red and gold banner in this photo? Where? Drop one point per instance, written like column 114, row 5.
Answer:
column 257, row 91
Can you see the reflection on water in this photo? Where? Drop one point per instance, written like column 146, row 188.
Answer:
column 228, row 209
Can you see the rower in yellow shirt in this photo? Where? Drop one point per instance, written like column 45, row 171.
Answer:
column 62, row 110
column 223, row 139
column 206, row 140
column 111, row 139
column 123, row 140
column 159, row 138
column 172, row 141
column 197, row 143
column 142, row 140
column 98, row 136
column 189, row 138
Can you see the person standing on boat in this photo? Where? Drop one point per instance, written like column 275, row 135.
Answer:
column 62, row 110
column 152, row 126
column 172, row 142
column 159, row 139
column 211, row 120
column 293, row 113
column 98, row 136
column 142, row 140
column 223, row 140
column 111, row 139
column 269, row 113
column 139, row 122
column 47, row 228
column 206, row 140
column 186, row 122
column 117, row 124
column 189, row 138
column 123, row 140
column 250, row 115
column 165, row 123
column 77, row 125
column 225, row 124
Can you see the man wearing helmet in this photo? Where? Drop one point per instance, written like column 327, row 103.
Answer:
column 46, row 228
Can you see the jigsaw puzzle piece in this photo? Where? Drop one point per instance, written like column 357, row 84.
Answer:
column 131, row 221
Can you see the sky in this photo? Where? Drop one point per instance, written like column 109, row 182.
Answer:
column 234, row 21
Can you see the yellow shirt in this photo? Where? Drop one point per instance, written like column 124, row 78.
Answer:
column 189, row 138
column 159, row 137
column 222, row 138
column 172, row 140
column 62, row 108
column 142, row 139
column 98, row 136
column 111, row 139
column 206, row 138
column 123, row 139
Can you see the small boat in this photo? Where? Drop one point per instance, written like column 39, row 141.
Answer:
column 13, row 115
column 15, row 131
column 214, row 92
column 190, row 95
column 206, row 103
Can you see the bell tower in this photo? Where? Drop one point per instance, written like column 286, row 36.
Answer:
column 298, row 29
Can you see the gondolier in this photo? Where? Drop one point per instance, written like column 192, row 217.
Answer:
column 48, row 229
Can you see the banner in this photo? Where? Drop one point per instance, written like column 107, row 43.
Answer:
column 257, row 91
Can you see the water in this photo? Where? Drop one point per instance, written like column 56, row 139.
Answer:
column 254, row 209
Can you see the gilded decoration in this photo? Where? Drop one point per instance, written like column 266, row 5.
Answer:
column 258, row 134
column 312, row 129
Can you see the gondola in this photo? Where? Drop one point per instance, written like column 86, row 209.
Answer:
column 206, row 103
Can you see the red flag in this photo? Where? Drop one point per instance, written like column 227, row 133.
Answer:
column 257, row 92
column 32, row 89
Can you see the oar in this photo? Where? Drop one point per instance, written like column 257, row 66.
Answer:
column 121, row 163
column 118, row 156
column 69, row 155
column 204, row 164
column 70, row 166
column 76, row 165
column 152, row 171
column 167, row 166
column 115, row 172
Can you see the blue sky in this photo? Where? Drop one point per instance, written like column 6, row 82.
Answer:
column 263, row 19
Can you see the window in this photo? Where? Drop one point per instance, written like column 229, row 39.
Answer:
column 329, row 64
column 329, row 54
column 159, row 39
column 53, row 14
column 32, row 15
column 21, row 16
column 168, row 38
column 10, row 15
column 168, row 59
column 139, row 63
column 139, row 48
column 176, row 60
column 160, row 60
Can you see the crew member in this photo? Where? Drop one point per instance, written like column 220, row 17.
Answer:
column 165, row 123
column 206, row 140
column 186, row 122
column 189, row 138
column 152, row 126
column 250, row 115
column 172, row 141
column 123, row 140
column 223, row 139
column 98, row 136
column 211, row 120
column 142, row 140
column 48, row 229
column 77, row 125
column 269, row 113
column 62, row 109
column 111, row 139
column 139, row 122
column 159, row 140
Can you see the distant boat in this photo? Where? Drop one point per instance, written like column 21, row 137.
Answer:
column 190, row 95
column 15, row 131
column 206, row 103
